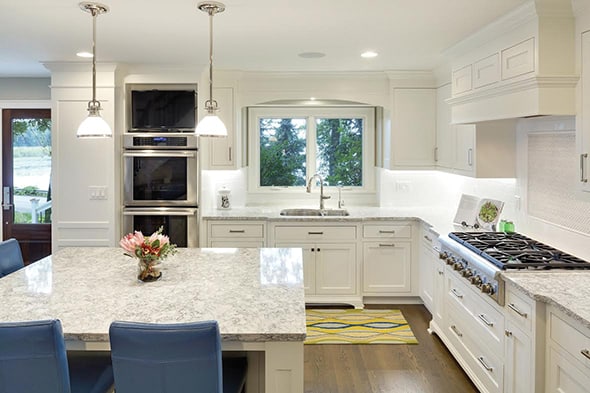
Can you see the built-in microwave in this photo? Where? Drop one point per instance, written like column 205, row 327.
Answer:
column 162, row 108
column 160, row 170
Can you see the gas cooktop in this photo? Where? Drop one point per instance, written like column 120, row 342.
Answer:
column 516, row 251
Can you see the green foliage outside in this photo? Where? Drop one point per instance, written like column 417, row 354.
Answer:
column 30, row 191
column 282, row 152
column 22, row 218
column 339, row 152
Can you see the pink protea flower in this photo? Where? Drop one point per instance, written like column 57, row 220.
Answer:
column 155, row 247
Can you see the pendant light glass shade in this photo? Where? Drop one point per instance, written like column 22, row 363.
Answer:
column 94, row 126
column 211, row 124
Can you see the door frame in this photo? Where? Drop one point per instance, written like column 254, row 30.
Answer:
column 19, row 104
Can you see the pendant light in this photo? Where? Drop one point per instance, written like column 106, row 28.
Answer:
column 211, row 124
column 94, row 126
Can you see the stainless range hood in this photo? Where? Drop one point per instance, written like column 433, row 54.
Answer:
column 521, row 65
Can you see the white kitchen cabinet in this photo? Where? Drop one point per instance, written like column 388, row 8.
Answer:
column 387, row 267
column 482, row 150
column 235, row 234
column 413, row 129
column 427, row 273
column 445, row 132
column 387, row 258
column 518, row 352
column 524, row 362
column 583, row 134
column 222, row 150
column 568, row 354
column 330, row 270
column 438, row 305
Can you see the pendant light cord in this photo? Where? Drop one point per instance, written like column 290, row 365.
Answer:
column 211, row 13
column 94, row 14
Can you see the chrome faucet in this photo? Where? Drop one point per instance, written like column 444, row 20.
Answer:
column 322, row 197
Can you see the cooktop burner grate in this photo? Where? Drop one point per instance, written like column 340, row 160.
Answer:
column 516, row 251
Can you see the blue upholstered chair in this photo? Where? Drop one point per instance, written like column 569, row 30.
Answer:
column 33, row 359
column 172, row 358
column 11, row 258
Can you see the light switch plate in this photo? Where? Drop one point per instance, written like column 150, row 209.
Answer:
column 97, row 193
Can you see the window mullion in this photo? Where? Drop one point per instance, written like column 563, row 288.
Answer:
column 312, row 146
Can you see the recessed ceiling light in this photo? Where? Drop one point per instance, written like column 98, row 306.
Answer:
column 369, row 54
column 86, row 55
column 311, row 55
column 312, row 98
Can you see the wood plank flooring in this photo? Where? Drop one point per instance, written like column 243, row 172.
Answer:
column 424, row 368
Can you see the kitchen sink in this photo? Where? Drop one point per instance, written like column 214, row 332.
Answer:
column 315, row 212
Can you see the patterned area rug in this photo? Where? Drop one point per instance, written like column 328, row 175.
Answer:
column 358, row 327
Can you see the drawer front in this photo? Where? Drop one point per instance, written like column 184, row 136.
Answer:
column 574, row 341
column 486, row 71
column 518, row 59
column 482, row 317
column 519, row 308
column 387, row 231
column 236, row 243
column 314, row 234
column 486, row 366
column 237, row 230
column 461, row 82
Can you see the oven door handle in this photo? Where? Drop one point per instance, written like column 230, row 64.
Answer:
column 170, row 212
column 174, row 154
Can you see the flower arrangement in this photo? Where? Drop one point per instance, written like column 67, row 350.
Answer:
column 149, row 251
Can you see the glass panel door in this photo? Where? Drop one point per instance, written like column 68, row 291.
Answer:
column 26, row 180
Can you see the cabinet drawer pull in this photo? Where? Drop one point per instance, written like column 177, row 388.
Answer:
column 586, row 353
column 229, row 153
column 382, row 231
column 457, row 332
column 484, row 364
column 315, row 233
column 386, row 245
column 470, row 157
column 583, row 177
column 516, row 310
column 237, row 231
column 456, row 293
column 485, row 320
column 427, row 238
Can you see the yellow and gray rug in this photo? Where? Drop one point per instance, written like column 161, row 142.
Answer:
column 358, row 327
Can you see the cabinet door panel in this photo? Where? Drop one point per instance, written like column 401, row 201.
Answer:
column 222, row 150
column 584, row 134
column 386, row 267
column 335, row 269
column 427, row 275
column 519, row 361
column 309, row 265
column 413, row 127
column 563, row 376
column 465, row 147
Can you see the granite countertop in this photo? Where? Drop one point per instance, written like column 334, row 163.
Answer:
column 439, row 219
column 569, row 291
column 256, row 295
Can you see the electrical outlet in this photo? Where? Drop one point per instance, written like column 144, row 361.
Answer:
column 97, row 193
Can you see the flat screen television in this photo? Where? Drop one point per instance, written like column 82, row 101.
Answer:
column 163, row 110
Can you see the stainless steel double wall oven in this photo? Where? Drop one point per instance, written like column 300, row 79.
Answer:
column 160, row 166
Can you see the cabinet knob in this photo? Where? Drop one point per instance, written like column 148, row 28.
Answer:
column 508, row 333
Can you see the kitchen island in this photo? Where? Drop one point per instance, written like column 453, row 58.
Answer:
column 256, row 295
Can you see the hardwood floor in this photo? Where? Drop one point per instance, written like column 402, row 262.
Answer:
column 424, row 368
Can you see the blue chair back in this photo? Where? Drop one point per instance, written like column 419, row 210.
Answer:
column 33, row 358
column 166, row 357
column 11, row 258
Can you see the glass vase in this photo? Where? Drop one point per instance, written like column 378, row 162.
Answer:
column 148, row 270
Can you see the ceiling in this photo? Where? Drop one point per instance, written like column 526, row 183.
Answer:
column 265, row 35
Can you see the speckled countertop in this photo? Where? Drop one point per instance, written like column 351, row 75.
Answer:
column 439, row 219
column 568, row 290
column 256, row 295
